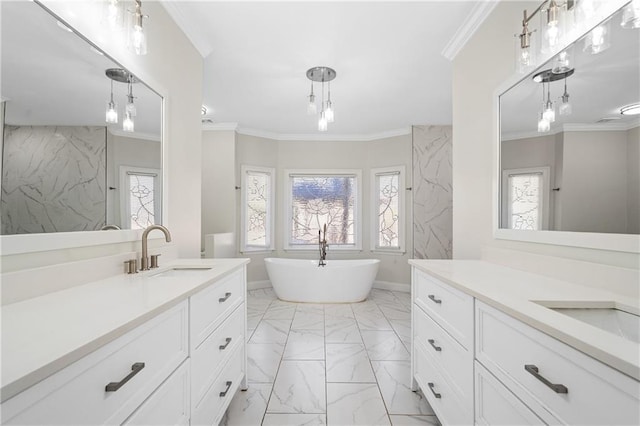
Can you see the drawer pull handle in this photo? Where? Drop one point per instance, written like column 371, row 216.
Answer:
column 431, row 386
column 135, row 369
column 223, row 347
column 433, row 297
column 223, row 394
column 433, row 344
column 533, row 370
column 224, row 299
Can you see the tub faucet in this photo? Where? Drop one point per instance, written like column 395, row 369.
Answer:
column 322, row 245
column 144, row 262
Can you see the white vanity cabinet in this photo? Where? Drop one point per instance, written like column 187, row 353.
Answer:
column 180, row 367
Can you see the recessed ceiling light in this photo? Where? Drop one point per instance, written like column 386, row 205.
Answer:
column 633, row 109
column 64, row 27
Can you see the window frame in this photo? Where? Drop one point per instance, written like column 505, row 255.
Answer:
column 125, row 200
column 357, row 214
column 375, row 225
column 545, row 207
column 271, row 212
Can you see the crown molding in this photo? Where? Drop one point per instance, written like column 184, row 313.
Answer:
column 575, row 127
column 220, row 126
column 188, row 27
column 481, row 10
column 324, row 137
column 135, row 135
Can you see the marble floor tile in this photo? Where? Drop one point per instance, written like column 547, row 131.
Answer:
column 372, row 320
column 308, row 320
column 263, row 360
column 262, row 293
column 363, row 307
column 299, row 388
column 338, row 311
column 381, row 296
column 399, row 420
column 394, row 378
column 311, row 307
column 403, row 330
column 342, row 331
column 384, row 346
column 355, row 404
column 294, row 419
column 396, row 311
column 248, row 407
column 305, row 344
column 253, row 321
column 281, row 311
column 271, row 331
column 348, row 363
column 404, row 298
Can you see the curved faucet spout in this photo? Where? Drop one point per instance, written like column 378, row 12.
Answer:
column 144, row 264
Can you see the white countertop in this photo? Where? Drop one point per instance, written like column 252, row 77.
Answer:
column 515, row 293
column 41, row 336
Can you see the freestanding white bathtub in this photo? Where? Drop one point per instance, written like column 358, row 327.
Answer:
column 340, row 281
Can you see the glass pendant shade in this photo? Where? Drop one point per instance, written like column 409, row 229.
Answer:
column 131, row 109
column 329, row 112
column 631, row 15
column 312, row 109
column 127, row 123
column 113, row 15
column 137, row 38
column 322, row 122
column 549, row 113
column 543, row 124
column 111, row 115
column 562, row 63
column 598, row 40
column 565, row 107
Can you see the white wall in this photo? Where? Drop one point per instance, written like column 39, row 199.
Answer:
column 633, row 180
column 174, row 68
column 484, row 64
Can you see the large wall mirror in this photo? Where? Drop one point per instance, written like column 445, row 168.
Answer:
column 569, row 159
column 66, row 168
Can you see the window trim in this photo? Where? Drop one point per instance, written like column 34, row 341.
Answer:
column 125, row 201
column 289, row 173
column 375, row 231
column 271, row 209
column 545, row 199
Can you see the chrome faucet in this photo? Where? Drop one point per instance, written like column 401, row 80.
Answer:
column 144, row 262
column 322, row 243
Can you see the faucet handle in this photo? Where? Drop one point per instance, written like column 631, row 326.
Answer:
column 131, row 266
column 154, row 260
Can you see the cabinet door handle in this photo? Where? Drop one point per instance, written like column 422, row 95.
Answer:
column 433, row 344
column 557, row 388
column 223, row 347
column 433, row 297
column 223, row 394
column 135, row 369
column 431, row 386
column 224, row 299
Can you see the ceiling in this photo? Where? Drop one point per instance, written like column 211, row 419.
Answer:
column 391, row 72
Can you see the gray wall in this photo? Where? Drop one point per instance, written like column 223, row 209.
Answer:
column 633, row 181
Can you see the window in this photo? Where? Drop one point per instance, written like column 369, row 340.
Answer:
column 526, row 194
column 257, row 208
column 316, row 198
column 140, row 196
column 387, row 209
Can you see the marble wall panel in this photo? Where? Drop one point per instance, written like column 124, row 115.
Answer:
column 432, row 192
column 53, row 179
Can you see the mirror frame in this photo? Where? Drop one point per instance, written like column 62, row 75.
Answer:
column 627, row 243
column 32, row 243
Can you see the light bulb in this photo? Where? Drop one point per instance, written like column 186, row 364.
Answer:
column 139, row 40
column 112, row 14
column 543, row 124
column 525, row 57
column 322, row 122
column 131, row 109
column 329, row 112
column 565, row 107
column 111, row 115
column 549, row 113
column 311, row 106
column 127, row 123
column 552, row 34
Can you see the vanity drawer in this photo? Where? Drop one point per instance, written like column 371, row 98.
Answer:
column 214, row 352
column 496, row 405
column 450, row 308
column 212, row 305
column 169, row 404
column 78, row 394
column 451, row 359
column 447, row 405
column 219, row 395
column 595, row 393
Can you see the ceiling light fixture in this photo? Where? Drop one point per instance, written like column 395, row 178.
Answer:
column 548, row 113
column 633, row 109
column 111, row 116
column 122, row 76
column 327, row 114
column 565, row 106
column 597, row 40
column 137, row 38
column 113, row 14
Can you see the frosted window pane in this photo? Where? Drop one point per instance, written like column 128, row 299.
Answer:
column 317, row 200
column 388, row 204
column 141, row 200
column 257, row 187
column 525, row 201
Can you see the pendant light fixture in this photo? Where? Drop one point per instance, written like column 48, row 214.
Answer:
column 631, row 15
column 131, row 107
column 598, row 40
column 113, row 14
column 548, row 113
column 549, row 106
column 565, row 106
column 137, row 38
column 111, row 116
column 327, row 114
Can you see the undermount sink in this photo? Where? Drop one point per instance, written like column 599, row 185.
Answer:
column 610, row 319
column 181, row 271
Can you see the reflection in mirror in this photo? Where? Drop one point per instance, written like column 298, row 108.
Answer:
column 569, row 158
column 68, row 163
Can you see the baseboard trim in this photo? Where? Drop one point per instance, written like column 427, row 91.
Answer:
column 257, row 285
column 386, row 285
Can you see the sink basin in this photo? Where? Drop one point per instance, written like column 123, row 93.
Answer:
column 181, row 271
column 616, row 321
